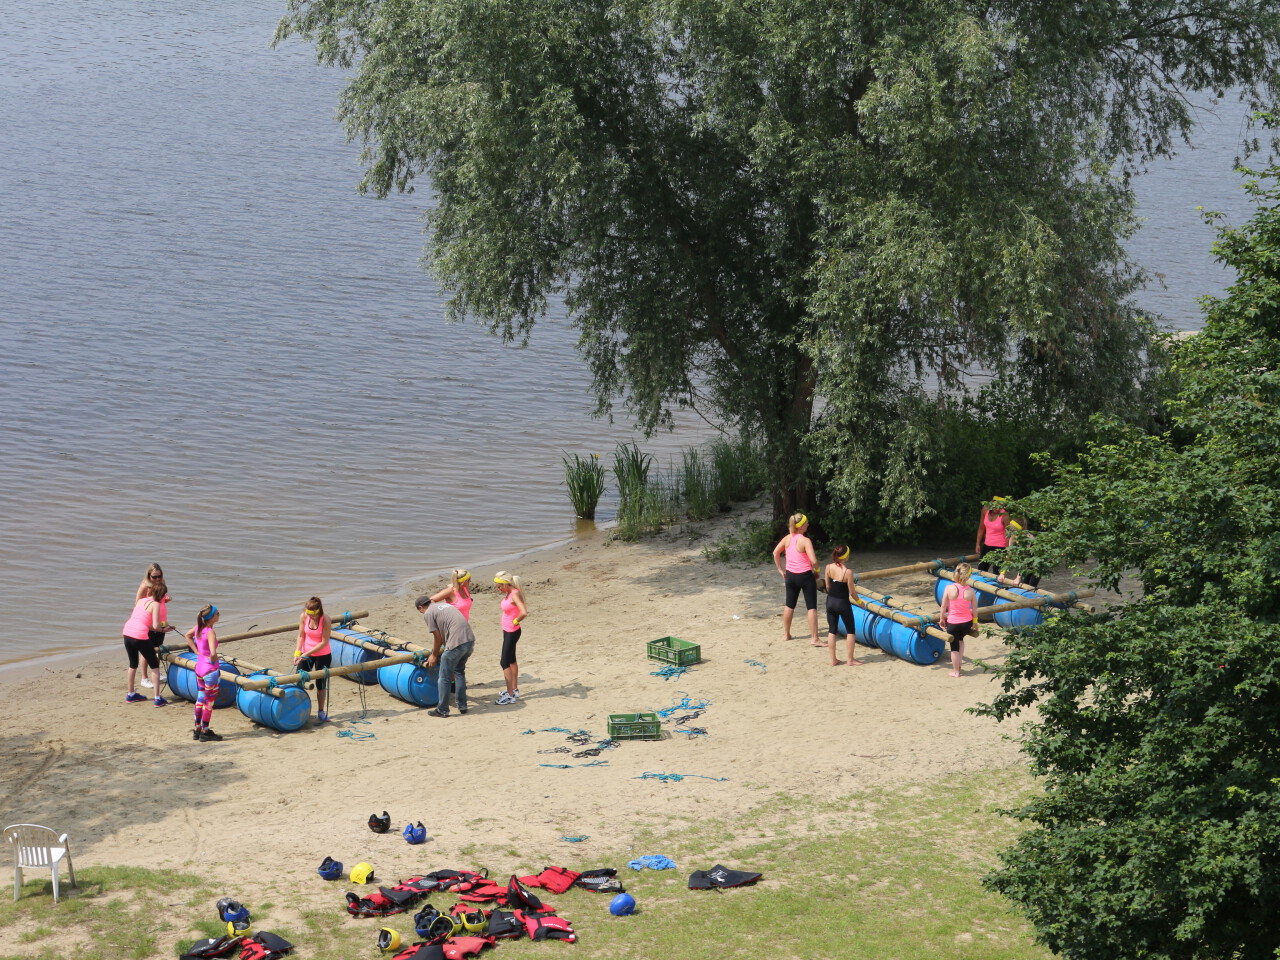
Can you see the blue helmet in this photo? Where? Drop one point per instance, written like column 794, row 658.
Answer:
column 623, row 905
column 330, row 869
column 232, row 911
column 415, row 833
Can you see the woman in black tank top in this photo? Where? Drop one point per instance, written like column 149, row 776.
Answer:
column 839, row 580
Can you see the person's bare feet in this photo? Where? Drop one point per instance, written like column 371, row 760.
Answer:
column 817, row 643
column 953, row 674
column 857, row 663
column 837, row 663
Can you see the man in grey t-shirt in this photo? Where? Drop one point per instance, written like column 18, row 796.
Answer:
column 452, row 635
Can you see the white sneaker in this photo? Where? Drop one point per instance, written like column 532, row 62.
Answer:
column 516, row 693
column 505, row 698
column 146, row 682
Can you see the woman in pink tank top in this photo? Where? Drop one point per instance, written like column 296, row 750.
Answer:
column 457, row 593
column 799, row 573
column 957, row 612
column 153, row 576
column 993, row 533
column 142, row 632
column 313, row 652
column 202, row 639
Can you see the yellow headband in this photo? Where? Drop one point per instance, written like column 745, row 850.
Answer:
column 503, row 580
column 845, row 555
column 464, row 576
column 802, row 521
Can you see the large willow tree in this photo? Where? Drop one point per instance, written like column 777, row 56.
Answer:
column 805, row 218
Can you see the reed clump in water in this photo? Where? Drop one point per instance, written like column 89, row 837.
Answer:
column 584, row 476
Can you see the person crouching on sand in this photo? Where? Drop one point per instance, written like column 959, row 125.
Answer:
column 143, row 632
column 799, row 575
column 153, row 576
column 514, row 612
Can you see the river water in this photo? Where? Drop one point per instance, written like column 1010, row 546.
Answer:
column 220, row 357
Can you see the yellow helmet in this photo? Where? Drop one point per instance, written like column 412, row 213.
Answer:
column 388, row 940
column 362, row 873
column 239, row 928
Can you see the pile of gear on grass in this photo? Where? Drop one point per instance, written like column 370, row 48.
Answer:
column 239, row 941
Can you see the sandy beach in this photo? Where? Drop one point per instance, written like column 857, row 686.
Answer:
column 132, row 788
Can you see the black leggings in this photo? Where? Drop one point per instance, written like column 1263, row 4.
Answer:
column 144, row 648
column 802, row 582
column 316, row 663
column 958, row 632
column 509, row 640
column 838, row 609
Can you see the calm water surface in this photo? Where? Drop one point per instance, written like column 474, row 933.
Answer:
column 220, row 357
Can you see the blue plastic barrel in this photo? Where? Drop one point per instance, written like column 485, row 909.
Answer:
column 284, row 713
column 411, row 683
column 1026, row 619
column 904, row 642
column 352, row 654
column 863, row 627
column 984, row 599
column 182, row 680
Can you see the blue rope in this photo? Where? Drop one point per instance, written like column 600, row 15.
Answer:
column 570, row 766
column 346, row 618
column 303, row 678
column 756, row 663
column 667, row 673
column 684, row 704
column 353, row 735
column 585, row 836
column 693, row 731
column 676, row 777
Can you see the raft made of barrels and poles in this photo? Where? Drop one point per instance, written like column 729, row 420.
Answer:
column 281, row 701
column 880, row 623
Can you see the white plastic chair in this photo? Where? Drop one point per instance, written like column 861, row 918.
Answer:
column 37, row 847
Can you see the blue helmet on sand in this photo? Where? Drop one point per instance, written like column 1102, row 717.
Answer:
column 330, row 869
column 415, row 833
column 623, row 905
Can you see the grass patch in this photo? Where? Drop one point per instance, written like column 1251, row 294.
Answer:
column 895, row 873
column 584, row 476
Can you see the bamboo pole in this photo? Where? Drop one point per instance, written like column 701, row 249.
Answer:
column 914, row 621
column 283, row 628
column 986, row 613
column 928, row 565
column 295, row 678
column 1064, row 598
column 381, row 647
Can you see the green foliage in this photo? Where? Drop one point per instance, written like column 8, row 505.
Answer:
column 1157, row 722
column 584, row 476
column 631, row 468
column 794, row 215
column 739, row 470
column 750, row 542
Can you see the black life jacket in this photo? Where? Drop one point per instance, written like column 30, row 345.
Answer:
column 719, row 877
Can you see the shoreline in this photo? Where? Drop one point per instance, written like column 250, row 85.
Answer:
column 23, row 667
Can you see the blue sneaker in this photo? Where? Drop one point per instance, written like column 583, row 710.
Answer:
column 161, row 702
column 322, row 717
column 134, row 698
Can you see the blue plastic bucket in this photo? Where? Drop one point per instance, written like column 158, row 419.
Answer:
column 182, row 680
column 285, row 713
column 352, row 654
column 1026, row 619
column 411, row 683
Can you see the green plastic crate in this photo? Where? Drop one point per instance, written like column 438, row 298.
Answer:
column 635, row 726
column 673, row 650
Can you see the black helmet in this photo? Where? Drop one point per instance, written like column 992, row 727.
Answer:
column 380, row 824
